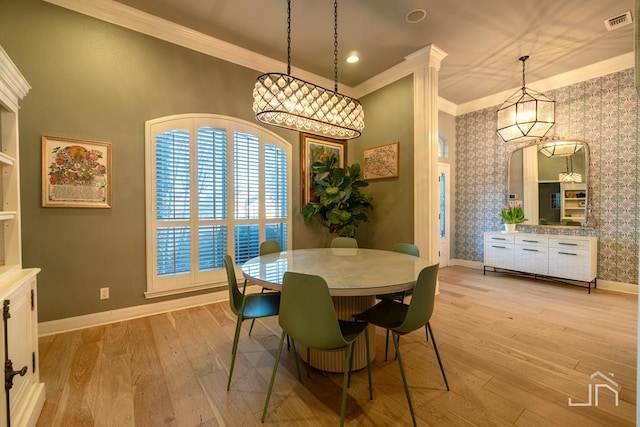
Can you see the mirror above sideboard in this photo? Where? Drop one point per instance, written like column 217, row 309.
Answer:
column 550, row 178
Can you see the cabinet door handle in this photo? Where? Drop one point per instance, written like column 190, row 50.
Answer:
column 498, row 238
column 530, row 250
column 567, row 244
column 567, row 253
column 530, row 241
column 499, row 247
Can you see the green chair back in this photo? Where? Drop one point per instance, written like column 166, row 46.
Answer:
column 344, row 242
column 269, row 247
column 406, row 248
column 307, row 314
column 235, row 296
column 422, row 302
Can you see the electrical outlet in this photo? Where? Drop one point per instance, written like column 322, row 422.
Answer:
column 104, row 293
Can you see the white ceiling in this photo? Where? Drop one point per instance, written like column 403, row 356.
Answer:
column 483, row 39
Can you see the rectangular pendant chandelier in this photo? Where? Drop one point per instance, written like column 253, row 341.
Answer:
column 283, row 100
column 286, row 101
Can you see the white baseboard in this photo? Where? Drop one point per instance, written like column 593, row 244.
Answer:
column 628, row 288
column 106, row 317
column 609, row 285
column 464, row 263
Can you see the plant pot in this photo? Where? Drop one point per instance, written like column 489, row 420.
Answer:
column 509, row 228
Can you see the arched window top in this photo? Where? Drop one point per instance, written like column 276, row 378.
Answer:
column 216, row 185
column 443, row 146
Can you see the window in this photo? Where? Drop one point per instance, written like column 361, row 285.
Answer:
column 443, row 146
column 215, row 185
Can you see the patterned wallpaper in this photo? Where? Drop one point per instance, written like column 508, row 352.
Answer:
column 604, row 112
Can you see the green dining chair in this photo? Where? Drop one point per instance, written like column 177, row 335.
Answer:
column 344, row 242
column 409, row 249
column 267, row 247
column 251, row 306
column 402, row 319
column 308, row 316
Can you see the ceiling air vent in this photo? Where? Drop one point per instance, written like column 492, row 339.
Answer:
column 618, row 21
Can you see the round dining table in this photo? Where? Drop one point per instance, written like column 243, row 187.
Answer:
column 354, row 277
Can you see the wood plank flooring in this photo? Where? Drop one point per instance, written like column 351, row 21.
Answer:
column 514, row 350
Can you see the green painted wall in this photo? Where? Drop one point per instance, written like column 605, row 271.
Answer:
column 388, row 118
column 96, row 81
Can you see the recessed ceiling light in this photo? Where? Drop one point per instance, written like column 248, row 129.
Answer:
column 416, row 15
column 352, row 59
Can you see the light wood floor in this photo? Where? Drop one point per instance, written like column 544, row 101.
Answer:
column 514, row 350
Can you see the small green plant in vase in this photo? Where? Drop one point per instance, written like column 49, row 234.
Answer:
column 512, row 214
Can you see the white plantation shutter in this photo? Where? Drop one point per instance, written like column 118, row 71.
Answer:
column 173, row 203
column 212, row 198
column 276, row 187
column 196, row 213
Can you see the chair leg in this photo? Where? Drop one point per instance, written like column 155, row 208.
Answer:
column 404, row 378
column 350, row 364
column 435, row 347
column 308, row 362
column 386, row 343
column 345, row 383
column 366, row 335
column 273, row 377
column 386, row 346
column 295, row 354
column 234, row 349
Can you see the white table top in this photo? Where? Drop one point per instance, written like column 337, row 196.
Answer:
column 348, row 272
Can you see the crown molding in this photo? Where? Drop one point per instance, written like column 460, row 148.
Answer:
column 447, row 106
column 13, row 85
column 598, row 69
column 141, row 22
column 136, row 20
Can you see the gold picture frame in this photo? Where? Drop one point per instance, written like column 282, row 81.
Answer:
column 76, row 173
column 381, row 162
column 313, row 148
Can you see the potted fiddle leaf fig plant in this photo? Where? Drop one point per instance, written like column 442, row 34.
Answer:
column 339, row 204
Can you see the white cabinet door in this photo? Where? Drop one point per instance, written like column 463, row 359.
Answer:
column 569, row 264
column 27, row 394
column 498, row 250
column 531, row 254
column 531, row 259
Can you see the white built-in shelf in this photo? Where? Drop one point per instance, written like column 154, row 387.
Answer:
column 6, row 160
column 5, row 215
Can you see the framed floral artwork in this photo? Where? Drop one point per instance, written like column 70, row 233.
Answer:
column 312, row 149
column 75, row 173
column 381, row 162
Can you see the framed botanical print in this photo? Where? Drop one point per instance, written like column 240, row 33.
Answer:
column 381, row 162
column 75, row 173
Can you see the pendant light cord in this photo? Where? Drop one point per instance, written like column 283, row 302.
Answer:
column 289, row 37
column 335, row 45
column 523, row 59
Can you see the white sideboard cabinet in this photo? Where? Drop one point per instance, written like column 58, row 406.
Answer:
column 572, row 258
column 24, row 394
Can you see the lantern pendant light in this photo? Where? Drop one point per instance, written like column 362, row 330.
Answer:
column 526, row 115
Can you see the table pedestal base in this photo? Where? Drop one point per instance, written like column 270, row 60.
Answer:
column 333, row 361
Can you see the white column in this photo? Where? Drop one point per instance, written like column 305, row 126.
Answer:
column 425, row 150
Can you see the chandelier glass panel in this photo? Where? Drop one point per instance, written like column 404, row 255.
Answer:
column 526, row 115
column 286, row 101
